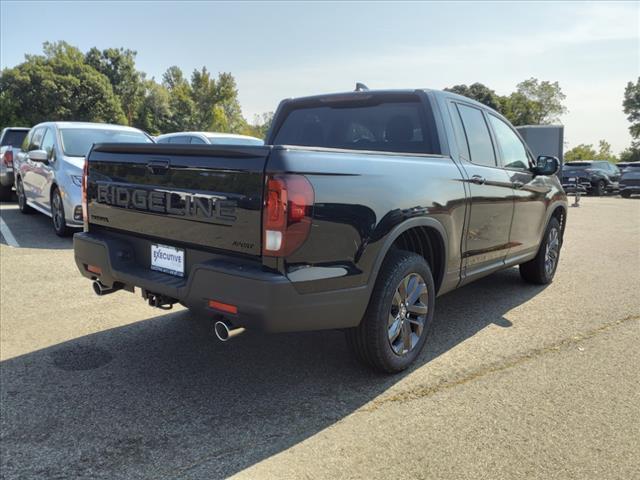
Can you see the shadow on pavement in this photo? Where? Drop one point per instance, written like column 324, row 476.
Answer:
column 31, row 231
column 161, row 399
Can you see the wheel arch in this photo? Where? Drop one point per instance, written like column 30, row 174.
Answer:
column 425, row 236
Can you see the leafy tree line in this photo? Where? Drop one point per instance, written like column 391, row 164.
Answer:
column 538, row 102
column 105, row 86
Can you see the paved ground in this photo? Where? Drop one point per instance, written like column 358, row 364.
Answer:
column 517, row 381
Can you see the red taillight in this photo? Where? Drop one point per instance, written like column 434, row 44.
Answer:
column 7, row 158
column 288, row 208
column 85, row 179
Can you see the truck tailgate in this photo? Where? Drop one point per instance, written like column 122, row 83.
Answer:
column 198, row 195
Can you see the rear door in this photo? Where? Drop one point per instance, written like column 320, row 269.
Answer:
column 487, row 235
column 197, row 195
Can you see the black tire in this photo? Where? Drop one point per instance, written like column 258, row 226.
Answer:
column 22, row 199
column 625, row 194
column 5, row 193
column 599, row 188
column 537, row 270
column 370, row 341
column 57, row 215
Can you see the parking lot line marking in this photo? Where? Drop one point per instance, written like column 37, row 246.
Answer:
column 6, row 233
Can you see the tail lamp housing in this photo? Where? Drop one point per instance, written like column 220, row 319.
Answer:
column 85, row 184
column 287, row 214
column 7, row 157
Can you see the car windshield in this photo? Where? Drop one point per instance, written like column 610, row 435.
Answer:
column 579, row 164
column 14, row 138
column 76, row 142
column 235, row 141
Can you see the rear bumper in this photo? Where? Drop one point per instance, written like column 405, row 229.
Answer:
column 265, row 300
column 629, row 188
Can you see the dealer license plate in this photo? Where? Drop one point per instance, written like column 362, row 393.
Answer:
column 167, row 259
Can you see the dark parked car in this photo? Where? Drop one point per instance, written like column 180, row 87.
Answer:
column 11, row 139
column 630, row 180
column 596, row 177
column 362, row 207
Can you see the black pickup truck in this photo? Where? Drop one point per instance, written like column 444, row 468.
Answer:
column 360, row 210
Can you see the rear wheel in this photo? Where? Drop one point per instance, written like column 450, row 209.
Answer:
column 5, row 193
column 543, row 267
column 397, row 321
column 22, row 198
column 625, row 194
column 57, row 215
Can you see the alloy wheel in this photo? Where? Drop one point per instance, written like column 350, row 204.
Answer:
column 551, row 252
column 57, row 212
column 408, row 313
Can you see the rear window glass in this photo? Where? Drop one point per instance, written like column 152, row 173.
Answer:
column 76, row 142
column 389, row 126
column 14, row 138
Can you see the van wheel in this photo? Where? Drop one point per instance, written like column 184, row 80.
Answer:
column 543, row 267
column 57, row 214
column 22, row 198
column 397, row 321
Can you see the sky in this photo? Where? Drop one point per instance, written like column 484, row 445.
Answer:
column 278, row 50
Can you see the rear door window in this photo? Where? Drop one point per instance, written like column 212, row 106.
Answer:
column 478, row 136
column 197, row 141
column 180, row 139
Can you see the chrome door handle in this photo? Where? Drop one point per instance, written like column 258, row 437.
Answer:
column 478, row 180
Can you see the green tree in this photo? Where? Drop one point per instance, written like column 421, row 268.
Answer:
column 518, row 109
column 118, row 65
column 227, row 100
column 204, row 94
column 478, row 92
column 580, row 152
column 181, row 105
column 587, row 152
column 631, row 154
column 631, row 106
column 58, row 85
column 154, row 112
column 547, row 98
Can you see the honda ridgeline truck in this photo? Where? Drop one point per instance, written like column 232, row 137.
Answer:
column 359, row 211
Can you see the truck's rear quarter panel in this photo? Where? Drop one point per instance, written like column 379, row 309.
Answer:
column 360, row 197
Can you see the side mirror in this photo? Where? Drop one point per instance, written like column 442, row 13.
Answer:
column 41, row 156
column 546, row 165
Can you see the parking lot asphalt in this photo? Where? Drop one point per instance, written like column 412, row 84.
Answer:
column 516, row 381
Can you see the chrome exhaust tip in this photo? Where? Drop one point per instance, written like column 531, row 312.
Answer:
column 100, row 289
column 224, row 333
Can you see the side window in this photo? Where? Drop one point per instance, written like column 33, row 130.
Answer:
column 197, row 140
column 48, row 142
column 514, row 153
column 478, row 136
column 36, row 139
column 461, row 139
column 163, row 140
column 181, row 139
column 27, row 140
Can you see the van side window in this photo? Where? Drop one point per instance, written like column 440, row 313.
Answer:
column 514, row 153
column 478, row 136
